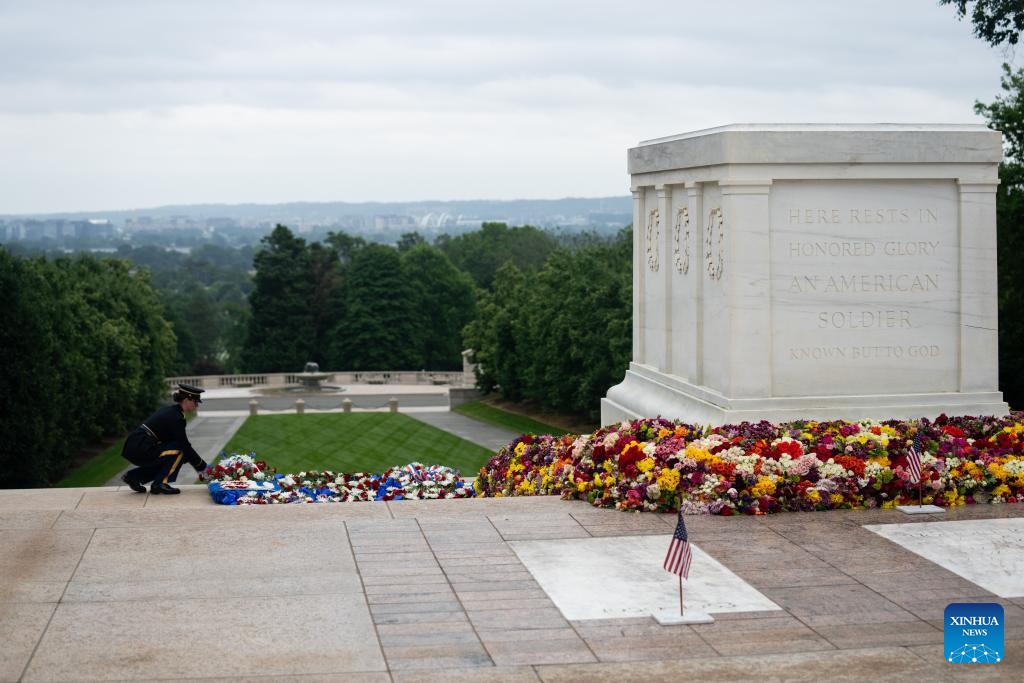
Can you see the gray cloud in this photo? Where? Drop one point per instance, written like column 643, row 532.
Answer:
column 79, row 80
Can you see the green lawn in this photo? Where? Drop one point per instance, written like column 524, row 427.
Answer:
column 346, row 442
column 478, row 410
column 353, row 442
column 97, row 471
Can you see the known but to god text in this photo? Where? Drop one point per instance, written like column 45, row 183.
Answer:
column 864, row 352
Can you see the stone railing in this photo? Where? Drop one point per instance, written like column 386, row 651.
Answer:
column 282, row 379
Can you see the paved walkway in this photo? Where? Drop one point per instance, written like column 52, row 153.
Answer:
column 106, row 584
column 477, row 432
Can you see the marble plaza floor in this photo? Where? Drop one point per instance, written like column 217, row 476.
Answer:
column 106, row 584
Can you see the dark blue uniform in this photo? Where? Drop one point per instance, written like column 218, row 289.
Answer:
column 159, row 447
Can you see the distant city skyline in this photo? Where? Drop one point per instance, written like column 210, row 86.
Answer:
column 246, row 223
column 118, row 105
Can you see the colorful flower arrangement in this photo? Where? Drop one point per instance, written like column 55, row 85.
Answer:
column 761, row 468
column 243, row 480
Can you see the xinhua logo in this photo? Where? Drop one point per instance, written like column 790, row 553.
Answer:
column 973, row 633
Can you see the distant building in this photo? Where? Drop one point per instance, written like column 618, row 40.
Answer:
column 393, row 221
column 98, row 228
column 437, row 220
column 140, row 223
column 215, row 222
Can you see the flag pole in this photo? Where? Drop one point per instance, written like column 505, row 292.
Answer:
column 681, row 595
column 679, row 500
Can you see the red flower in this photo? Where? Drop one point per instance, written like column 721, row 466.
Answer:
column 723, row 469
column 630, row 456
column 856, row 465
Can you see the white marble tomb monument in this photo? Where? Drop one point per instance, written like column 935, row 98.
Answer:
column 813, row 271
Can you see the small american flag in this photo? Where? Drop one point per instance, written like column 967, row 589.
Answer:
column 914, row 458
column 679, row 555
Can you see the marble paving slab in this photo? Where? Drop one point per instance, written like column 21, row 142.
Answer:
column 987, row 552
column 609, row 578
column 177, row 639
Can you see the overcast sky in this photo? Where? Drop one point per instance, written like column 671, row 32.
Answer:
column 121, row 104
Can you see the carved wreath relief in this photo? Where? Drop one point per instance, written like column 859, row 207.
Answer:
column 713, row 247
column 653, row 236
column 682, row 252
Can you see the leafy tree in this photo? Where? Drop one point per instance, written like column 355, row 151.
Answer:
column 327, row 302
column 185, row 354
column 1006, row 114
column 377, row 327
column 560, row 338
column 483, row 252
column 282, row 328
column 345, row 245
column 134, row 342
column 409, row 240
column 497, row 337
column 33, row 312
column 995, row 21
column 92, row 350
column 442, row 302
column 236, row 331
column 580, row 327
column 199, row 290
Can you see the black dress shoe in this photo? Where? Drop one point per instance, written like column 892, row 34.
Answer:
column 163, row 488
column 133, row 483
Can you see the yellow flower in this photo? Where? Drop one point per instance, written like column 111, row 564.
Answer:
column 1001, row 490
column 764, row 487
column 520, row 449
column 836, row 498
column 697, row 453
column 645, row 465
column 668, row 480
column 581, row 486
column 813, row 495
column 663, row 432
column 608, row 466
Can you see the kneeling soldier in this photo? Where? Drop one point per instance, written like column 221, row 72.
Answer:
column 159, row 445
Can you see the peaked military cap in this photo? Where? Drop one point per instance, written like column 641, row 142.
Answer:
column 191, row 392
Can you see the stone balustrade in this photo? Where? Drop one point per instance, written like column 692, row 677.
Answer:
column 283, row 379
